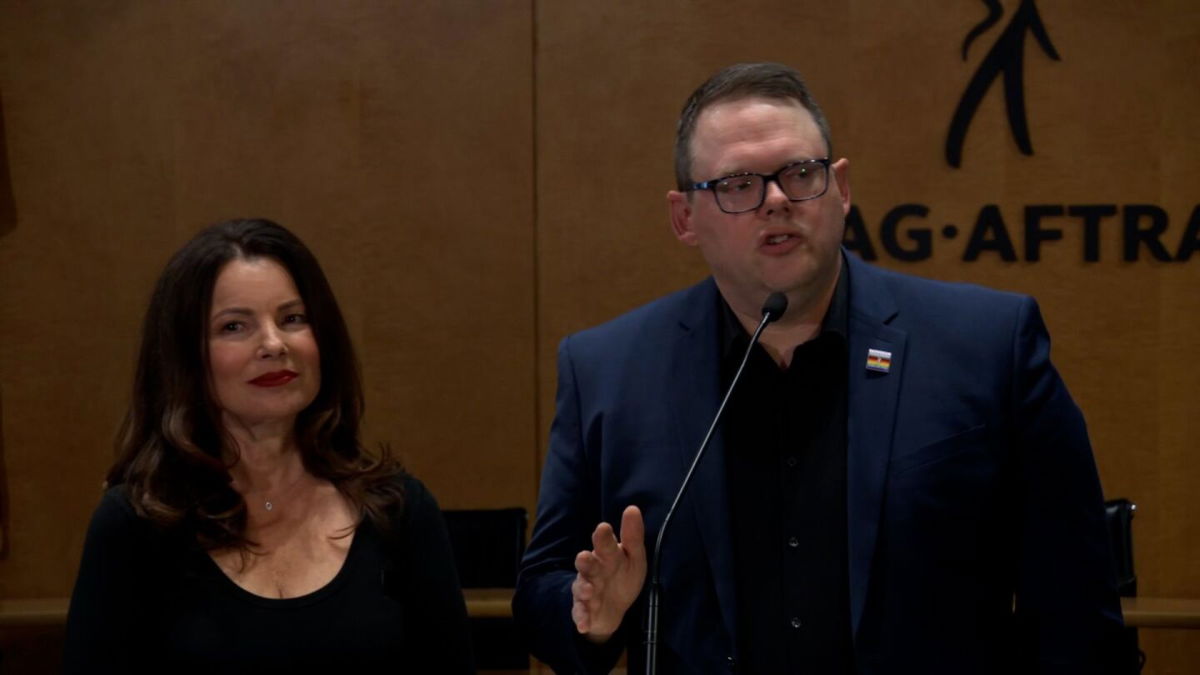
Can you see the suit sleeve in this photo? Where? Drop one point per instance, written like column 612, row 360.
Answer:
column 101, row 628
column 1067, row 608
column 568, row 511
column 436, row 628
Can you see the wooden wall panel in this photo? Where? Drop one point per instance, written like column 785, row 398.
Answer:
column 467, row 229
column 374, row 130
column 1109, row 125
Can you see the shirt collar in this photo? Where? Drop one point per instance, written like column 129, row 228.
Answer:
column 836, row 321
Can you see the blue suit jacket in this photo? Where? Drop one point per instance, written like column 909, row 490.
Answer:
column 970, row 482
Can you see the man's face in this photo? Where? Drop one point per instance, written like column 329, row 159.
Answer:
column 786, row 246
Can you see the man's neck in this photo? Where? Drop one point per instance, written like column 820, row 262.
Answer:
column 799, row 324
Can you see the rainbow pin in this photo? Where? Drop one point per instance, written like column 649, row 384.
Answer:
column 879, row 360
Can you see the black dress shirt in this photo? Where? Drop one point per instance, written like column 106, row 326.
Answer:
column 785, row 454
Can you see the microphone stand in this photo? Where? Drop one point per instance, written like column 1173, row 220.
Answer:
column 773, row 308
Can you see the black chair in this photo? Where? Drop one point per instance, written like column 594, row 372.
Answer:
column 1118, row 514
column 488, row 545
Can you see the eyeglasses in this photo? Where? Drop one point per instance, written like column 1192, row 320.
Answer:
column 799, row 181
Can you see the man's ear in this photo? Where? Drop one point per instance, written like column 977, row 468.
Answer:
column 680, row 206
column 841, row 176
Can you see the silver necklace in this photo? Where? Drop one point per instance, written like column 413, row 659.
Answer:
column 268, row 504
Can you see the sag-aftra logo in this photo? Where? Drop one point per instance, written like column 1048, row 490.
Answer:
column 909, row 232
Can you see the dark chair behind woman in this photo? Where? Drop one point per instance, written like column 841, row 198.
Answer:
column 488, row 545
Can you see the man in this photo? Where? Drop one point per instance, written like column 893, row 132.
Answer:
column 900, row 484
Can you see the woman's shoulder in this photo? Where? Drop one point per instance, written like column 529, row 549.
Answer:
column 115, row 510
column 416, row 500
column 411, row 507
column 116, row 525
column 413, row 487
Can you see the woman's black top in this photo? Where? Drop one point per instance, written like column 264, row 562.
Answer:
column 148, row 600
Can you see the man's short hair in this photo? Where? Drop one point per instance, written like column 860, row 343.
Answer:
column 741, row 80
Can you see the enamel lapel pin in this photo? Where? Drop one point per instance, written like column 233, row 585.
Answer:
column 879, row 360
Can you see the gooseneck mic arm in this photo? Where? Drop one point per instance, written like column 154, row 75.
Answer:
column 772, row 309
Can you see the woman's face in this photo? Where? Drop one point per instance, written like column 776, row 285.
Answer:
column 263, row 359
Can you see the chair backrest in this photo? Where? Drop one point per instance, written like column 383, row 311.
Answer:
column 1125, row 657
column 488, row 545
column 1119, row 516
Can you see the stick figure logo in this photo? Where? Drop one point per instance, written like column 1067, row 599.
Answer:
column 1007, row 58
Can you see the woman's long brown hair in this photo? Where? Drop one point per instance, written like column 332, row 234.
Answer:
column 172, row 453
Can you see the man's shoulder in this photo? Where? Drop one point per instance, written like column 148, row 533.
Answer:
column 924, row 296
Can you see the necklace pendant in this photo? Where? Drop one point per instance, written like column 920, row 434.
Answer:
column 270, row 506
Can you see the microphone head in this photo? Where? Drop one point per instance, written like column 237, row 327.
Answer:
column 775, row 306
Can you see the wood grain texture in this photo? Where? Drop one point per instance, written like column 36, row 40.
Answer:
column 480, row 179
column 374, row 130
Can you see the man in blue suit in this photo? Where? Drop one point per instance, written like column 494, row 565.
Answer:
column 901, row 482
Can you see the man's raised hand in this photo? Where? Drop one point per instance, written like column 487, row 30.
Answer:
column 610, row 576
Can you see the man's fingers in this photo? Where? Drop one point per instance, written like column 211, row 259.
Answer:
column 580, row 616
column 604, row 542
column 585, row 562
column 584, row 586
column 582, row 589
column 607, row 574
column 633, row 532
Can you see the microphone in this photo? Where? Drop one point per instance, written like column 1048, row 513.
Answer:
column 774, row 307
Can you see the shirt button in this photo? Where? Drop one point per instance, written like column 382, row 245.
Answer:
column 795, row 622
column 791, row 462
column 793, row 542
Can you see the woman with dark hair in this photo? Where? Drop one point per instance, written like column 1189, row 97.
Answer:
column 245, row 527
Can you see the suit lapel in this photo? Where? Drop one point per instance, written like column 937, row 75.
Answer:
column 696, row 371
column 871, row 413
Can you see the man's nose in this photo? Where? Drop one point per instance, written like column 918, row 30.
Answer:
column 774, row 198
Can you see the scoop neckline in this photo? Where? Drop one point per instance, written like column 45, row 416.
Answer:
column 317, row 595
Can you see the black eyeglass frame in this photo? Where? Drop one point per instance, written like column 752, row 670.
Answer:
column 767, row 179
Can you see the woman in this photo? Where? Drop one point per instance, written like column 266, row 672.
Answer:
column 246, row 529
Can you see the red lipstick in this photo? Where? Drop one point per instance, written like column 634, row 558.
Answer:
column 275, row 379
